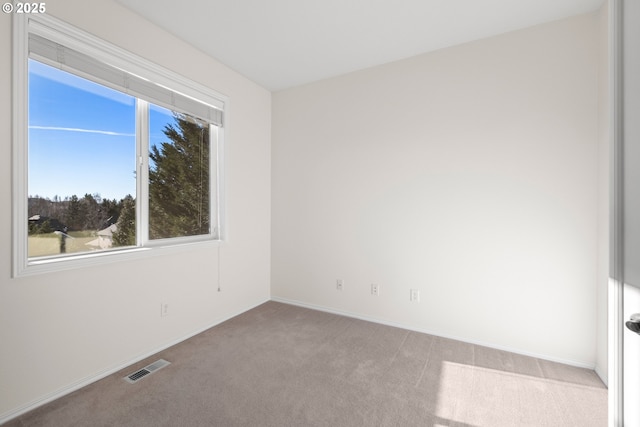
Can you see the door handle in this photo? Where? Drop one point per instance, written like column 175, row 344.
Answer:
column 634, row 323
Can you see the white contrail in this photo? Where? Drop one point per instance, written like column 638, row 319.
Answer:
column 101, row 132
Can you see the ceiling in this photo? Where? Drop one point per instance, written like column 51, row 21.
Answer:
column 284, row 43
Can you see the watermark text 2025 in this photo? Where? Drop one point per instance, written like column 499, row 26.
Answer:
column 24, row 8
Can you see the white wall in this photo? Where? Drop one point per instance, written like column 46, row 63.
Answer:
column 631, row 144
column 59, row 330
column 469, row 173
column 631, row 204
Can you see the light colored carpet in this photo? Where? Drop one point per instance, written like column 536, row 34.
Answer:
column 280, row 365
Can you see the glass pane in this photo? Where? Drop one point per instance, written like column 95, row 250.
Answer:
column 179, row 175
column 81, row 177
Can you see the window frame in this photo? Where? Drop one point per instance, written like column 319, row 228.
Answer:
column 85, row 43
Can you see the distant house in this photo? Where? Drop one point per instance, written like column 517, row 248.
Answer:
column 105, row 238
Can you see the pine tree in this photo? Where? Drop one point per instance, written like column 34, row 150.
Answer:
column 179, row 181
column 125, row 234
column 94, row 217
column 73, row 215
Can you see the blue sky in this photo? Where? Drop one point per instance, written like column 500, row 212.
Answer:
column 82, row 136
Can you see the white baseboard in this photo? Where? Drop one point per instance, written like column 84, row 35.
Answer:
column 575, row 363
column 602, row 375
column 49, row 397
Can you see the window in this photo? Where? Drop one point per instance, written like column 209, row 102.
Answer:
column 113, row 155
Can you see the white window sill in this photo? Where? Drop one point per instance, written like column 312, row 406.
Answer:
column 84, row 260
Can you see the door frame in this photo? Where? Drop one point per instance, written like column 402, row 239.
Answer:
column 616, row 275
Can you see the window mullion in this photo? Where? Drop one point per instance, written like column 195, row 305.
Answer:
column 214, row 184
column 142, row 172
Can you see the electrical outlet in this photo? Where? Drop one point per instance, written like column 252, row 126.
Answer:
column 414, row 295
column 339, row 284
column 375, row 290
column 164, row 309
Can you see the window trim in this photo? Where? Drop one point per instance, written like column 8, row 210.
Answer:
column 63, row 33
